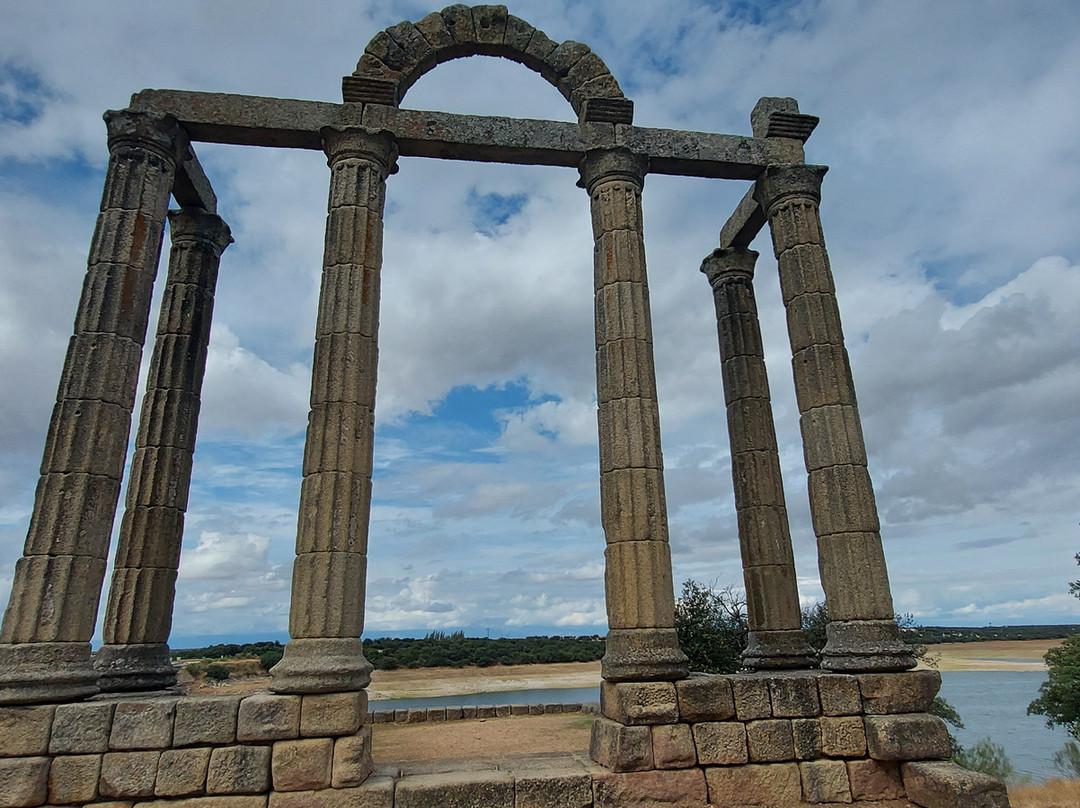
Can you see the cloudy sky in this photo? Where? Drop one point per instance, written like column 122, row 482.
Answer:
column 951, row 210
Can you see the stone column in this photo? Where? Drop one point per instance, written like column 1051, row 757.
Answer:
column 326, row 614
column 45, row 638
column 772, row 597
column 138, row 616
column 862, row 632
column 641, row 641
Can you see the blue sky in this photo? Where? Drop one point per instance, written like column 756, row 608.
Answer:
column 950, row 210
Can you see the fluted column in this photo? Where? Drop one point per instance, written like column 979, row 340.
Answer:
column 326, row 613
column 772, row 597
column 45, row 638
column 138, row 615
column 862, row 631
column 641, row 641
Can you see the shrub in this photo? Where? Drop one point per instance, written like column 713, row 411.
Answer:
column 218, row 673
column 987, row 757
column 1067, row 759
column 711, row 628
column 268, row 659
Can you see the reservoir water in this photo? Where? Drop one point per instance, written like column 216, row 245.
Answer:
column 992, row 704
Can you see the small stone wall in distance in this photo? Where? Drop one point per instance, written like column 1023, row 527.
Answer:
column 418, row 715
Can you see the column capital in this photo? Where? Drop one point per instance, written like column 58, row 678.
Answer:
column 727, row 264
column 374, row 145
column 153, row 131
column 197, row 226
column 605, row 165
column 789, row 179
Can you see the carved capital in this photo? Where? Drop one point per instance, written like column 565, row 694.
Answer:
column 725, row 265
column 779, row 182
column 606, row 165
column 196, row 226
column 150, row 131
column 375, row 146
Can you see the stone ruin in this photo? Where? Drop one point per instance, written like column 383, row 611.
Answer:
column 78, row 728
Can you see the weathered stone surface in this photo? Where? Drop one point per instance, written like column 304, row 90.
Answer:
column 320, row 664
column 478, row 789
column 327, row 595
column 352, row 759
column 182, row 772
column 24, row 782
column 752, row 699
column 839, row 694
column 383, row 716
column 639, row 702
column 515, row 709
column 143, row 724
column 755, row 784
column 539, row 788
column 673, row 746
column 24, row 731
column 865, row 645
column 206, row 720
column 128, row 774
column 720, row 743
column 843, row 736
column 874, row 780
column 377, row 792
column 238, row 770
column 230, row 801
column 825, row 781
column 806, row 734
column 683, row 787
column 908, row 692
column 74, row 778
column 81, row 728
column 770, row 740
column 917, row 736
column 31, row 618
column 638, row 583
column 621, row 748
column 843, row 502
column 643, row 655
column 794, row 695
column 633, row 506
column 946, row 785
column 268, row 717
column 705, row 697
column 323, row 714
column 302, row 765
column 631, row 428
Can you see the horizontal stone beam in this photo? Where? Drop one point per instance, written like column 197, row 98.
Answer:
column 191, row 187
column 744, row 224
column 289, row 123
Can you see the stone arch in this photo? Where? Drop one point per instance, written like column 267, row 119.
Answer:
column 396, row 57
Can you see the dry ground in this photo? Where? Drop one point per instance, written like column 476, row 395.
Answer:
column 1051, row 794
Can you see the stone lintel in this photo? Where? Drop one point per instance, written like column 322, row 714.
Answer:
column 191, row 187
column 291, row 123
column 744, row 223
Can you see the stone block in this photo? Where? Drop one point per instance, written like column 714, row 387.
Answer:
column 455, row 713
column 381, row 716
column 637, row 579
column 329, row 588
column 632, row 505
column 268, row 717
column 238, row 770
column 705, row 697
column 24, row 731
column 720, row 743
column 534, row 709
column 72, row 511
column 755, row 784
column 475, row 789
column 843, row 736
column 352, row 759
column 377, row 792
column 416, row 715
column 538, row 788
column 517, row 709
column 143, row 724
column 673, row 746
column 468, row 712
column 639, row 702
column 770, row 740
column 917, row 736
column 874, row 780
column 74, row 778
column 302, row 765
column 207, row 720
column 681, row 787
column 485, row 711
column 439, row 713
column 806, row 734
column 908, row 692
column 825, row 781
column 128, row 774
column 182, row 772
column 133, row 608
column 33, row 616
column 757, row 481
column 230, row 801
column 839, row 694
column 24, row 782
column 339, row 439
column 842, row 501
column 794, row 695
column 629, row 432
column 621, row 748
column 946, row 785
column 81, row 728
column 751, row 694
column 745, row 374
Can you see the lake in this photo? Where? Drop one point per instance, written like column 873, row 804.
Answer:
column 992, row 704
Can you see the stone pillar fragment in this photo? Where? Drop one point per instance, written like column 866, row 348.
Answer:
column 862, row 631
column 641, row 641
column 138, row 615
column 772, row 598
column 44, row 640
column 326, row 613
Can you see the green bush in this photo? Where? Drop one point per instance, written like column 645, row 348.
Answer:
column 987, row 757
column 268, row 659
column 1067, row 759
column 711, row 628
column 218, row 673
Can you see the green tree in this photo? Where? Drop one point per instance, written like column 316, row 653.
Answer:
column 711, row 627
column 217, row 672
column 1059, row 695
column 987, row 757
column 270, row 657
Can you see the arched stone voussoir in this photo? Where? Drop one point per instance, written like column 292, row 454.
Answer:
column 396, row 57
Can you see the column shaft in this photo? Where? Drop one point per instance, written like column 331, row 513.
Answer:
column 326, row 613
column 862, row 632
column 772, row 598
column 138, row 615
column 44, row 641
column 641, row 641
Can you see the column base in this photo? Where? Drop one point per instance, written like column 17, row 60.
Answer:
column 865, row 645
column 784, row 649
column 643, row 655
column 321, row 665
column 44, row 672
column 128, row 668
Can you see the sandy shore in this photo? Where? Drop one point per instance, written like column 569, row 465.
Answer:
column 996, row 655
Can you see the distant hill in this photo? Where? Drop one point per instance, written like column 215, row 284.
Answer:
column 929, row 635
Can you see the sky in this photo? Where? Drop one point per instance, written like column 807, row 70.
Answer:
column 950, row 209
